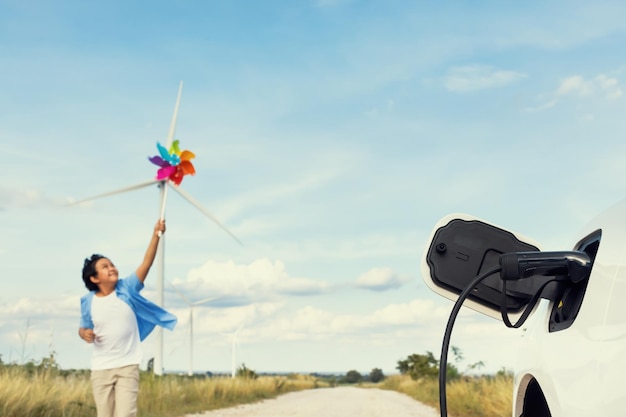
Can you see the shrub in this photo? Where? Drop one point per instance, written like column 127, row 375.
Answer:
column 353, row 377
column 243, row 372
column 419, row 366
column 376, row 375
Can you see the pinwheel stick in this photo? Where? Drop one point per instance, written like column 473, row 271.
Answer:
column 162, row 217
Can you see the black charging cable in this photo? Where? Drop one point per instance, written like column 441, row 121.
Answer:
column 529, row 307
column 572, row 266
column 443, row 361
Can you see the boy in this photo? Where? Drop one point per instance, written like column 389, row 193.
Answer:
column 116, row 318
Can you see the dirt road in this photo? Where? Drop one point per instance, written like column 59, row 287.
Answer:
column 331, row 402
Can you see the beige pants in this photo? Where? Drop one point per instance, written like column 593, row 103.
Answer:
column 115, row 391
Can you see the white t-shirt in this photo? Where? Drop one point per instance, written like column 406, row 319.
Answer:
column 117, row 341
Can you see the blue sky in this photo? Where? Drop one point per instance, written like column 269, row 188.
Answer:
column 330, row 137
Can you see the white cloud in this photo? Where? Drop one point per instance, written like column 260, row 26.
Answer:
column 261, row 279
column 414, row 312
column 243, row 318
column 11, row 197
column 311, row 323
column 264, row 322
column 380, row 279
column 574, row 84
column 479, row 77
column 601, row 85
column 60, row 307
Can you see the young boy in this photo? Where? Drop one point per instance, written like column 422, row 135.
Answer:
column 116, row 318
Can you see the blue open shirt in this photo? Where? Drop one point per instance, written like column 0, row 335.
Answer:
column 147, row 313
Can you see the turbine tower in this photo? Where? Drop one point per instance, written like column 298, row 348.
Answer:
column 192, row 304
column 164, row 185
column 235, row 342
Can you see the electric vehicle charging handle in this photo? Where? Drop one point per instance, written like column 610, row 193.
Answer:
column 575, row 265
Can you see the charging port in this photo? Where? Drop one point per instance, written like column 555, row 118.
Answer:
column 567, row 306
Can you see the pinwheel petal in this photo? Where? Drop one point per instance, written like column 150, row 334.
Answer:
column 165, row 172
column 173, row 159
column 177, row 176
column 163, row 152
column 157, row 160
column 174, row 149
column 187, row 155
column 187, row 168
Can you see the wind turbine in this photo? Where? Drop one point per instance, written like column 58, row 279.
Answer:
column 191, row 306
column 234, row 342
column 164, row 185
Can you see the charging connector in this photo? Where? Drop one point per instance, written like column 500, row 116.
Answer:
column 568, row 268
column 573, row 266
column 562, row 269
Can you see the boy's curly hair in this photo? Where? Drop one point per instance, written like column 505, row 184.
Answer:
column 89, row 270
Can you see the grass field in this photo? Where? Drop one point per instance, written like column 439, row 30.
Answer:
column 46, row 391
column 36, row 392
column 486, row 396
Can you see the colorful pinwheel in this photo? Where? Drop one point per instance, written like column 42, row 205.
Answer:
column 174, row 164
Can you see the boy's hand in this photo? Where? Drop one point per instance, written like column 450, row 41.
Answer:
column 86, row 334
column 159, row 228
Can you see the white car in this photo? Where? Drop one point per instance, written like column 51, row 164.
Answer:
column 572, row 360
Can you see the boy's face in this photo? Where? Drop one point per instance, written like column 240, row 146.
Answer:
column 106, row 273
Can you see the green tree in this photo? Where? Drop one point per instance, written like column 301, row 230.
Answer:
column 452, row 372
column 457, row 353
column 244, row 372
column 505, row 373
column 426, row 366
column 419, row 366
column 352, row 377
column 476, row 366
column 376, row 375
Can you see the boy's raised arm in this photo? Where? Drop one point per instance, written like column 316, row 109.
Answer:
column 148, row 259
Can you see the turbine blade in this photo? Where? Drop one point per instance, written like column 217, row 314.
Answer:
column 170, row 136
column 205, row 300
column 187, row 300
column 195, row 203
column 120, row 191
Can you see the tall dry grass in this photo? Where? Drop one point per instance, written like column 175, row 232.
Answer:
column 487, row 396
column 41, row 391
column 178, row 395
column 43, row 394
column 53, row 393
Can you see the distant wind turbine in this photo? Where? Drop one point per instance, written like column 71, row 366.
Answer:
column 192, row 304
column 164, row 185
column 235, row 343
